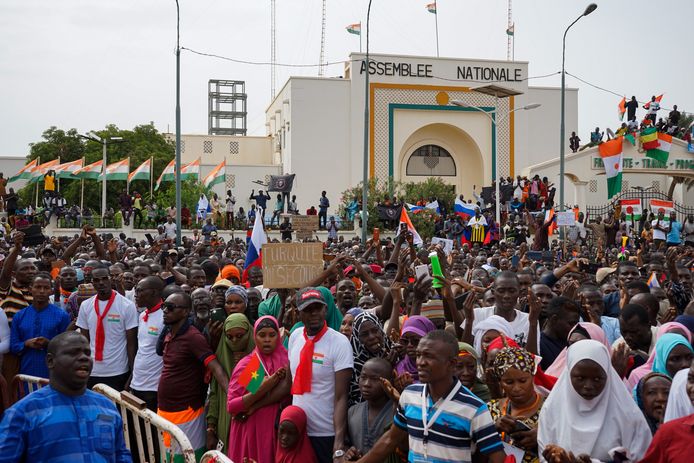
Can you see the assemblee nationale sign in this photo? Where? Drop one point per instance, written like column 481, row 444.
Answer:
column 421, row 70
column 646, row 163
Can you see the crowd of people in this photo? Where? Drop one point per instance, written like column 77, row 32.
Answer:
column 396, row 351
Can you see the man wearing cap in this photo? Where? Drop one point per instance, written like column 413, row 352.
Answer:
column 321, row 362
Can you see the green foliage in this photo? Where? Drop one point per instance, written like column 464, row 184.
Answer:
column 141, row 143
column 190, row 193
column 377, row 192
column 432, row 187
column 424, row 222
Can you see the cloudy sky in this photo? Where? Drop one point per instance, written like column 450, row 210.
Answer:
column 88, row 63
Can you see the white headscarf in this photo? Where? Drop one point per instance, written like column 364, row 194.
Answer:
column 678, row 402
column 203, row 203
column 494, row 322
column 594, row 427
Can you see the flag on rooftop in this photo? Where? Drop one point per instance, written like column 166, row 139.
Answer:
column 431, row 7
column 24, row 172
column 622, row 108
column 649, row 138
column 611, row 154
column 354, row 29
column 662, row 151
column 658, row 98
column 510, row 30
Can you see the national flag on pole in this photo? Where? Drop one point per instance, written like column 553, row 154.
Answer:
column 549, row 217
column 118, row 170
column 465, row 211
column 649, row 138
column 24, row 172
column 258, row 238
column 143, row 172
column 631, row 138
column 662, row 151
column 218, row 175
column 90, row 172
column 414, row 208
column 611, row 154
column 434, row 206
column 666, row 206
column 653, row 281
column 253, row 374
column 167, row 175
column 632, row 209
column 510, row 30
column 190, row 170
column 431, row 7
column 405, row 219
column 68, row 169
column 621, row 108
column 39, row 171
column 354, row 29
column 648, row 105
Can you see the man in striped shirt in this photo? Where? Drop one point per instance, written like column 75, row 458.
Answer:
column 441, row 418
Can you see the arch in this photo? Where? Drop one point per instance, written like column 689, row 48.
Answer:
column 430, row 160
column 466, row 157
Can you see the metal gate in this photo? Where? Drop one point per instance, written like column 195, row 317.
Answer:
column 645, row 195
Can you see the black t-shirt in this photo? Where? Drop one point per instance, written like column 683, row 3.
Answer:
column 549, row 350
column 286, row 230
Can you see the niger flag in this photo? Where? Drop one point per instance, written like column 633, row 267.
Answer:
column 611, row 154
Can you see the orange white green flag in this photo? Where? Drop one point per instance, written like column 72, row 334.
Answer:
column 253, row 374
column 354, row 29
column 662, row 151
column 431, row 7
column 143, row 172
column 24, row 172
column 68, row 169
column 90, row 172
column 190, row 170
column 39, row 171
column 167, row 175
column 218, row 175
column 118, row 170
column 611, row 154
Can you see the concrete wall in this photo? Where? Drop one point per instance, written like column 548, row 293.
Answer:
column 9, row 166
column 236, row 149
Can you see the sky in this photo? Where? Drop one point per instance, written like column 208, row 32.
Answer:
column 84, row 64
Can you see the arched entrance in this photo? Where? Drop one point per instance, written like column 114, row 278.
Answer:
column 444, row 151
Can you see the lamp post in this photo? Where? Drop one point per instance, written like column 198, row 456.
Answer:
column 495, row 123
column 178, row 126
column 562, row 137
column 104, row 143
column 365, row 187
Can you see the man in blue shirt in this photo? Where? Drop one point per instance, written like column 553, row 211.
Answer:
column 64, row 422
column 456, row 421
column 323, row 205
column 674, row 235
column 34, row 326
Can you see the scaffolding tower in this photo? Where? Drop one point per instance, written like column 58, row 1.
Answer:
column 227, row 111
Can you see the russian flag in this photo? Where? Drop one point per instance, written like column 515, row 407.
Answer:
column 404, row 218
column 414, row 209
column 434, row 206
column 464, row 210
column 258, row 238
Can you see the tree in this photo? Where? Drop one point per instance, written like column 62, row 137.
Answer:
column 141, row 143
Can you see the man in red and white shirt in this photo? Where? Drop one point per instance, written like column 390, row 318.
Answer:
column 109, row 321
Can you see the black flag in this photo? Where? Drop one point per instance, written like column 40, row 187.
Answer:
column 389, row 212
column 281, row 183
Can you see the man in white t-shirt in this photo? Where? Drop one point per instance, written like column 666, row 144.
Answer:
column 109, row 321
column 506, row 290
column 660, row 228
column 170, row 229
column 147, row 365
column 321, row 387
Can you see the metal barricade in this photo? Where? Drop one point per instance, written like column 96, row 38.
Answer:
column 4, row 395
column 215, row 456
column 133, row 410
column 23, row 385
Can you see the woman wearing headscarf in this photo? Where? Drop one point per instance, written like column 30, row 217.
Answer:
column 236, row 300
column 673, row 353
column 273, row 306
column 487, row 330
column 651, row 395
column 252, row 433
column 293, row 444
column 679, row 403
column 643, row 370
column 237, row 342
column 516, row 415
column 368, row 341
column 203, row 205
column 414, row 329
column 589, row 411
column 468, row 371
column 580, row 332
column 347, row 325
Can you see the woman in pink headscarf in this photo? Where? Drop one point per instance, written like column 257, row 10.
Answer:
column 253, row 433
column 643, row 370
column 580, row 332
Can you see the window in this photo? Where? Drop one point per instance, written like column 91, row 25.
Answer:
column 183, row 146
column 233, row 147
column 593, row 186
column 207, row 147
column 431, row 160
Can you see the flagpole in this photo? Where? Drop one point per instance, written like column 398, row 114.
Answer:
column 151, row 176
column 359, row 36
column 57, row 179
column 82, row 198
column 36, row 201
column 436, row 17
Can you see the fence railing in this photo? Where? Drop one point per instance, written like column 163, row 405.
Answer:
column 23, row 385
column 4, row 395
column 215, row 456
column 152, row 434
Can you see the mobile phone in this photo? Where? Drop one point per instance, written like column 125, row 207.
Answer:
column 149, row 237
column 421, row 270
column 460, row 300
column 515, row 260
column 218, row 315
column 520, row 426
column 534, row 255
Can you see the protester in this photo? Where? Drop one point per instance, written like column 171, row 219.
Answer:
column 293, row 444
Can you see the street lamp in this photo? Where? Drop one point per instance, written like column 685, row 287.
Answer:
column 495, row 123
column 562, row 137
column 178, row 125
column 104, row 143
column 365, row 182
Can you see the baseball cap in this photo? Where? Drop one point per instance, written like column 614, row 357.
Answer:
column 222, row 284
column 308, row 296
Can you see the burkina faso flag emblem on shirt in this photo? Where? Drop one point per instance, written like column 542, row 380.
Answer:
column 252, row 376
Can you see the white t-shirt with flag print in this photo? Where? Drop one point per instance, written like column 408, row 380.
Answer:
column 121, row 317
column 332, row 353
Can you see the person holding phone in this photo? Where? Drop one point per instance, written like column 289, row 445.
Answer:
column 516, row 415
